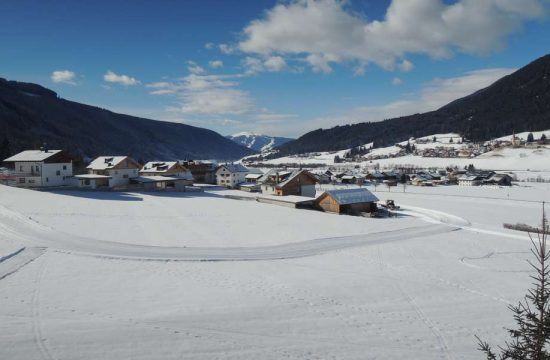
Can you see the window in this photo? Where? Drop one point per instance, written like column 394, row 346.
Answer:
column 47, row 180
column 125, row 176
column 87, row 182
column 36, row 168
column 21, row 168
column 64, row 167
column 21, row 180
column 58, row 173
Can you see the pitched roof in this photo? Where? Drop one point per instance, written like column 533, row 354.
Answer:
column 235, row 168
column 105, row 162
column 158, row 166
column 295, row 174
column 32, row 155
column 352, row 196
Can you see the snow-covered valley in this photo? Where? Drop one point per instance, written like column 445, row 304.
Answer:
column 128, row 271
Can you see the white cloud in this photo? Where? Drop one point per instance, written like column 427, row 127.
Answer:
column 194, row 68
column 275, row 64
column 396, row 81
column 406, row 65
column 206, row 95
column 359, row 70
column 432, row 96
column 328, row 31
column 226, row 49
column 215, row 64
column 209, row 46
column 63, row 76
column 120, row 79
column 270, row 63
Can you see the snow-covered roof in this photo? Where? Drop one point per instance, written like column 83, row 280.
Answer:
column 292, row 176
column 105, row 162
column 234, row 168
column 157, row 178
column 33, row 155
column 348, row 177
column 91, row 176
column 468, row 178
column 253, row 176
column 158, row 166
column 352, row 196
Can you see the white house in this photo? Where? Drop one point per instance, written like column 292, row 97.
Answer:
column 231, row 175
column 42, row 168
column 111, row 171
column 166, row 168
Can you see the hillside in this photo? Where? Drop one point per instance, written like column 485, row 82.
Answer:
column 31, row 115
column 518, row 102
column 258, row 142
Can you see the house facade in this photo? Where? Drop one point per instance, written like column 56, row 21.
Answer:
column 42, row 168
column 231, row 175
column 110, row 171
column 203, row 172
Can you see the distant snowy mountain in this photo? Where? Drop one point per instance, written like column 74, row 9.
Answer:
column 258, row 142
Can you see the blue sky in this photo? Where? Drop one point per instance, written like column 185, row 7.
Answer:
column 275, row 67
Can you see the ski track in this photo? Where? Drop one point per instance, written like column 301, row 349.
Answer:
column 14, row 262
column 40, row 341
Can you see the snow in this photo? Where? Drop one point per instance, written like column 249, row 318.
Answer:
column 105, row 162
column 523, row 135
column 418, row 286
column 32, row 155
column 505, row 159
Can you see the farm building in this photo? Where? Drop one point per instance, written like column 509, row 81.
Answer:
column 283, row 183
column 347, row 201
column 41, row 168
column 499, row 179
column 353, row 179
column 156, row 182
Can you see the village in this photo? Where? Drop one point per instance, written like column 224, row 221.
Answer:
column 328, row 190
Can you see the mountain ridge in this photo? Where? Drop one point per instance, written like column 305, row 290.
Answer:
column 517, row 102
column 260, row 143
column 31, row 114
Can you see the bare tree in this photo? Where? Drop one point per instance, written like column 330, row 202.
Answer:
column 532, row 315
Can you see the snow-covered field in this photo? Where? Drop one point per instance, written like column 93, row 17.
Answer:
column 124, row 276
column 504, row 159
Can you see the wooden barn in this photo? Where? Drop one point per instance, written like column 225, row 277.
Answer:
column 347, row 201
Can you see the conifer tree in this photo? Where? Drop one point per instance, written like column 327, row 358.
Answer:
column 530, row 339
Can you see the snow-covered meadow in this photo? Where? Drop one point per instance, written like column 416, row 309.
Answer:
column 140, row 276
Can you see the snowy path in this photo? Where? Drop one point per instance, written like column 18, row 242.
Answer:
column 10, row 264
column 32, row 233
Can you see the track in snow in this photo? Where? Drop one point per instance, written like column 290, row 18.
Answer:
column 12, row 263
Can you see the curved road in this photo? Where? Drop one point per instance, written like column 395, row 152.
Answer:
column 33, row 234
